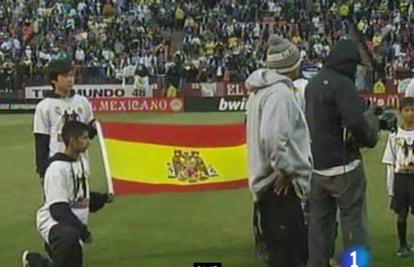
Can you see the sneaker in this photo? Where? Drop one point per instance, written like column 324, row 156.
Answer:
column 404, row 251
column 25, row 259
column 32, row 259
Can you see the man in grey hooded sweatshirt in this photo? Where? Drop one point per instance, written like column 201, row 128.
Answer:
column 279, row 155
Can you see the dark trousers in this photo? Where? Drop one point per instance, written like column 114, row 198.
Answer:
column 64, row 248
column 282, row 228
column 328, row 193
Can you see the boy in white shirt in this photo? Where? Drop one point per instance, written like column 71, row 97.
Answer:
column 58, row 107
column 399, row 158
column 62, row 220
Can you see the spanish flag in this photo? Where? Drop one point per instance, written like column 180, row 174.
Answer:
column 152, row 158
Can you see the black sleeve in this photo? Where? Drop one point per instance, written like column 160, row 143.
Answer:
column 92, row 129
column 352, row 111
column 97, row 201
column 62, row 213
column 42, row 152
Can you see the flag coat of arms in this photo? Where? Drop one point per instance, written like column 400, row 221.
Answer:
column 152, row 158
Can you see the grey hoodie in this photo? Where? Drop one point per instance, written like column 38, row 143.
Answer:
column 277, row 133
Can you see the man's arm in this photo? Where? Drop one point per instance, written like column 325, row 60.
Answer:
column 97, row 201
column 62, row 213
column 90, row 119
column 351, row 109
column 42, row 152
column 390, row 180
column 388, row 158
column 41, row 130
column 92, row 129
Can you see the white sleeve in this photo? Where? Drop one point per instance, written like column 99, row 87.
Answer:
column 409, row 92
column 390, row 180
column 41, row 122
column 88, row 111
column 56, row 185
column 389, row 155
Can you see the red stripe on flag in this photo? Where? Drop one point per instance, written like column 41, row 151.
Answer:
column 177, row 135
column 126, row 187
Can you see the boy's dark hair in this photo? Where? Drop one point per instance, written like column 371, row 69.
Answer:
column 57, row 67
column 73, row 129
column 406, row 101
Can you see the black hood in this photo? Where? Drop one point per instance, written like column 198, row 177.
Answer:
column 344, row 58
column 60, row 157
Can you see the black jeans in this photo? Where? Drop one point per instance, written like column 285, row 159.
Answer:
column 64, row 248
column 283, row 228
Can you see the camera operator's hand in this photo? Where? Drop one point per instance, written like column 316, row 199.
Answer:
column 283, row 183
column 372, row 120
column 88, row 239
column 367, row 134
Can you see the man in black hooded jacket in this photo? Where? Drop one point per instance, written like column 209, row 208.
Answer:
column 339, row 128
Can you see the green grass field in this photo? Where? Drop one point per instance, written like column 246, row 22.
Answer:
column 164, row 230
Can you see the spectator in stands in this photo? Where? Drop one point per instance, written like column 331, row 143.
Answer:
column 226, row 33
column 227, row 37
column 171, row 91
column 409, row 91
column 389, row 32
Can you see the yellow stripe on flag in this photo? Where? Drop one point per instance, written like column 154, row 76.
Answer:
column 148, row 163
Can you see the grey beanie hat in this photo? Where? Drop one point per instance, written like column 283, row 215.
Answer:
column 282, row 55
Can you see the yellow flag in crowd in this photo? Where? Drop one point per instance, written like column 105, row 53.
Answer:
column 379, row 87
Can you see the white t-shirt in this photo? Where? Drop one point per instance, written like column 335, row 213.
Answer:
column 49, row 118
column 80, row 55
column 271, row 6
column 106, row 54
column 81, row 6
column 399, row 151
column 300, row 85
column 256, row 31
column 409, row 91
column 65, row 181
column 142, row 84
column 318, row 47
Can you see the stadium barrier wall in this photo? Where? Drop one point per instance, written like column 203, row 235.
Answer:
column 98, row 91
column 239, row 89
column 391, row 101
column 105, row 105
column 175, row 104
column 157, row 89
column 137, row 105
column 17, row 105
column 215, row 104
column 214, row 89
column 11, row 94
column 238, row 103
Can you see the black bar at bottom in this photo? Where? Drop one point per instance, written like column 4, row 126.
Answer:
column 207, row 264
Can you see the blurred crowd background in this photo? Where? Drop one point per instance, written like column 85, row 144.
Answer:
column 179, row 41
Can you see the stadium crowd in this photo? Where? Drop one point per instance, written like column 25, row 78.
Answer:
column 219, row 40
column 388, row 27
